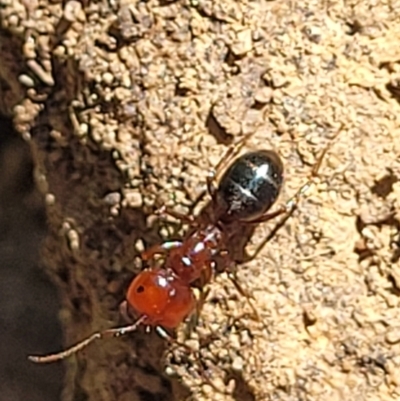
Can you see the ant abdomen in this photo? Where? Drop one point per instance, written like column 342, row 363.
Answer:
column 250, row 186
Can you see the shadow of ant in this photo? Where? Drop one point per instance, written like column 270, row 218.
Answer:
column 389, row 219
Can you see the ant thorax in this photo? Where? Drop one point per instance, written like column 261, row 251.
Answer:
column 195, row 256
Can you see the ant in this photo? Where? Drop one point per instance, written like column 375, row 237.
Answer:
column 162, row 297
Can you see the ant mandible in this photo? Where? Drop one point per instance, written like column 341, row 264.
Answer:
column 163, row 297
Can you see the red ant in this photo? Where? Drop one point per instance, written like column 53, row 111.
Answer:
column 163, row 297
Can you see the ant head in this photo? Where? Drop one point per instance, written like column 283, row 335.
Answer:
column 161, row 296
column 160, row 299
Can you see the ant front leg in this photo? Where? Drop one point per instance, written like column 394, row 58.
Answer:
column 171, row 340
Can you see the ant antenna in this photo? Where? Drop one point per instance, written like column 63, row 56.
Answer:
column 117, row 332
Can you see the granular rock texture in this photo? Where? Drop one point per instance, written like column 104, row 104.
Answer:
column 127, row 105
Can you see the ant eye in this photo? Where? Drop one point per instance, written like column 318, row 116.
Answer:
column 140, row 289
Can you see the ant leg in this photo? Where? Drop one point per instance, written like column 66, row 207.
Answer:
column 199, row 306
column 124, row 311
column 189, row 219
column 235, row 281
column 231, row 271
column 159, row 249
column 166, row 336
column 229, row 155
column 291, row 204
column 268, row 238
column 117, row 332
column 205, row 278
column 171, row 340
column 164, row 211
column 289, row 207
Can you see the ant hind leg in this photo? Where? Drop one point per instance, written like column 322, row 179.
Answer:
column 291, row 204
column 229, row 155
column 271, row 234
column 289, row 207
column 165, row 211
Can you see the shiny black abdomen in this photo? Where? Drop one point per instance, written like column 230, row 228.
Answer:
column 250, row 186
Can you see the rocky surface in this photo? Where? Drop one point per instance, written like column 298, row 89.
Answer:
column 126, row 104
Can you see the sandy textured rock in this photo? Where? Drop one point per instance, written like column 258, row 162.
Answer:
column 128, row 103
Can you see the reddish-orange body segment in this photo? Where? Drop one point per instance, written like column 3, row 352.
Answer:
column 162, row 297
column 194, row 257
